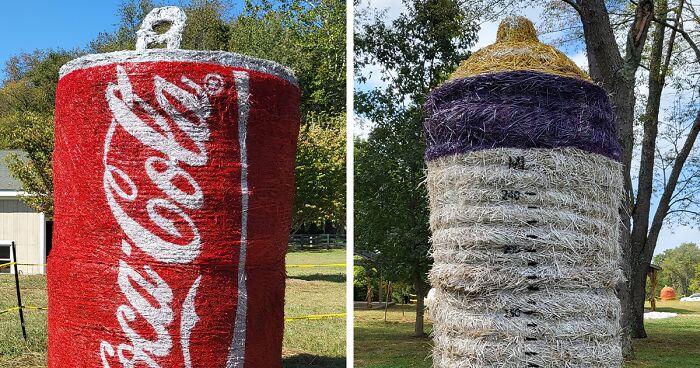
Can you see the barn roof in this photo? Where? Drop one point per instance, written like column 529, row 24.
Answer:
column 7, row 182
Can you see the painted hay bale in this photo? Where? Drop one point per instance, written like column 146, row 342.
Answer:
column 524, row 181
column 668, row 293
column 174, row 176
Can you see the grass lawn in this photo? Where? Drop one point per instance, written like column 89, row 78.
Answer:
column 307, row 343
column 672, row 343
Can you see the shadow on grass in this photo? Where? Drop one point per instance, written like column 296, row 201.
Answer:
column 675, row 310
column 320, row 277
column 313, row 361
column 311, row 250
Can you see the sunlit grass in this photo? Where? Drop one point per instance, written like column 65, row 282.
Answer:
column 672, row 342
column 307, row 343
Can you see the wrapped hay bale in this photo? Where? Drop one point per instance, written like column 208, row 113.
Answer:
column 174, row 178
column 524, row 182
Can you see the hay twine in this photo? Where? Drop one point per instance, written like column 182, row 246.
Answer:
column 518, row 48
column 525, row 243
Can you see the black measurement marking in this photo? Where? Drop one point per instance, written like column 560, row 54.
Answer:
column 529, row 312
column 532, row 325
column 533, row 288
column 531, row 193
column 532, row 236
column 510, row 194
column 532, row 207
column 531, row 263
column 530, row 339
column 532, row 365
column 513, row 312
column 512, row 249
column 517, row 162
column 531, row 353
column 532, row 222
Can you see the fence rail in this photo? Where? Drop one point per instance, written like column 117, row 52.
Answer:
column 317, row 241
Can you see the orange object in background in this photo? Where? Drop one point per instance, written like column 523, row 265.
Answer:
column 668, row 293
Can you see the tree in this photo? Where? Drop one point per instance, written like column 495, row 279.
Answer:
column 679, row 266
column 26, row 122
column 309, row 37
column 320, row 174
column 413, row 54
column 618, row 73
column 632, row 46
column 695, row 281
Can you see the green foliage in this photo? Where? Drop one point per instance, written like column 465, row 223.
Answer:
column 680, row 266
column 320, row 173
column 26, row 122
column 391, row 209
column 695, row 281
column 384, row 345
column 124, row 38
column 413, row 54
column 34, row 135
column 309, row 37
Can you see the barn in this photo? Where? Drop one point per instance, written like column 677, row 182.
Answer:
column 21, row 224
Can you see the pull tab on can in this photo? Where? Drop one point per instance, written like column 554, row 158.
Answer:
column 172, row 38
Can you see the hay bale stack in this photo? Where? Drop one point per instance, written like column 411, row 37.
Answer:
column 524, row 182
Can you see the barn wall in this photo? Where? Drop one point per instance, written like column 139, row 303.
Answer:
column 22, row 224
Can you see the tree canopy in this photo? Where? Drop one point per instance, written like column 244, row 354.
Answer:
column 307, row 36
column 411, row 55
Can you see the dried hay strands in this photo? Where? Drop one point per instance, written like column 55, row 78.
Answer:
column 524, row 280
column 524, row 181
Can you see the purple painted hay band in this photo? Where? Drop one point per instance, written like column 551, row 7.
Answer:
column 519, row 109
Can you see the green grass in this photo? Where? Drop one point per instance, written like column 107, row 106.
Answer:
column 672, row 343
column 307, row 343
column 313, row 291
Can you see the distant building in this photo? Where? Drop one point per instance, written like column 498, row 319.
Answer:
column 20, row 223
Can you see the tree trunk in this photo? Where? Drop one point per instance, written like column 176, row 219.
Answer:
column 617, row 75
column 420, row 285
column 638, row 292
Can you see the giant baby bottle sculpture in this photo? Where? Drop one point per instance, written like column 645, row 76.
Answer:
column 524, row 182
column 174, row 176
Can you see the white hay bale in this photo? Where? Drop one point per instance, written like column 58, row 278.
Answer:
column 526, row 260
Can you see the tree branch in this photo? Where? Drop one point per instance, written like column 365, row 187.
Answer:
column 573, row 5
column 664, row 203
column 685, row 35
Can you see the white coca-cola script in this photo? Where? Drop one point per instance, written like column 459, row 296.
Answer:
column 171, row 165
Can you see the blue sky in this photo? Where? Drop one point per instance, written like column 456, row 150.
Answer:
column 53, row 24
column 670, row 237
column 30, row 25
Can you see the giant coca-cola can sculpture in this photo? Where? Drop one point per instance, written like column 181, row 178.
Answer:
column 174, row 177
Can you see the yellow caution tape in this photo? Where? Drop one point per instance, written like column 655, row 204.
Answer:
column 317, row 265
column 316, row 316
column 24, row 307
column 9, row 310
column 33, row 307
column 8, row 264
